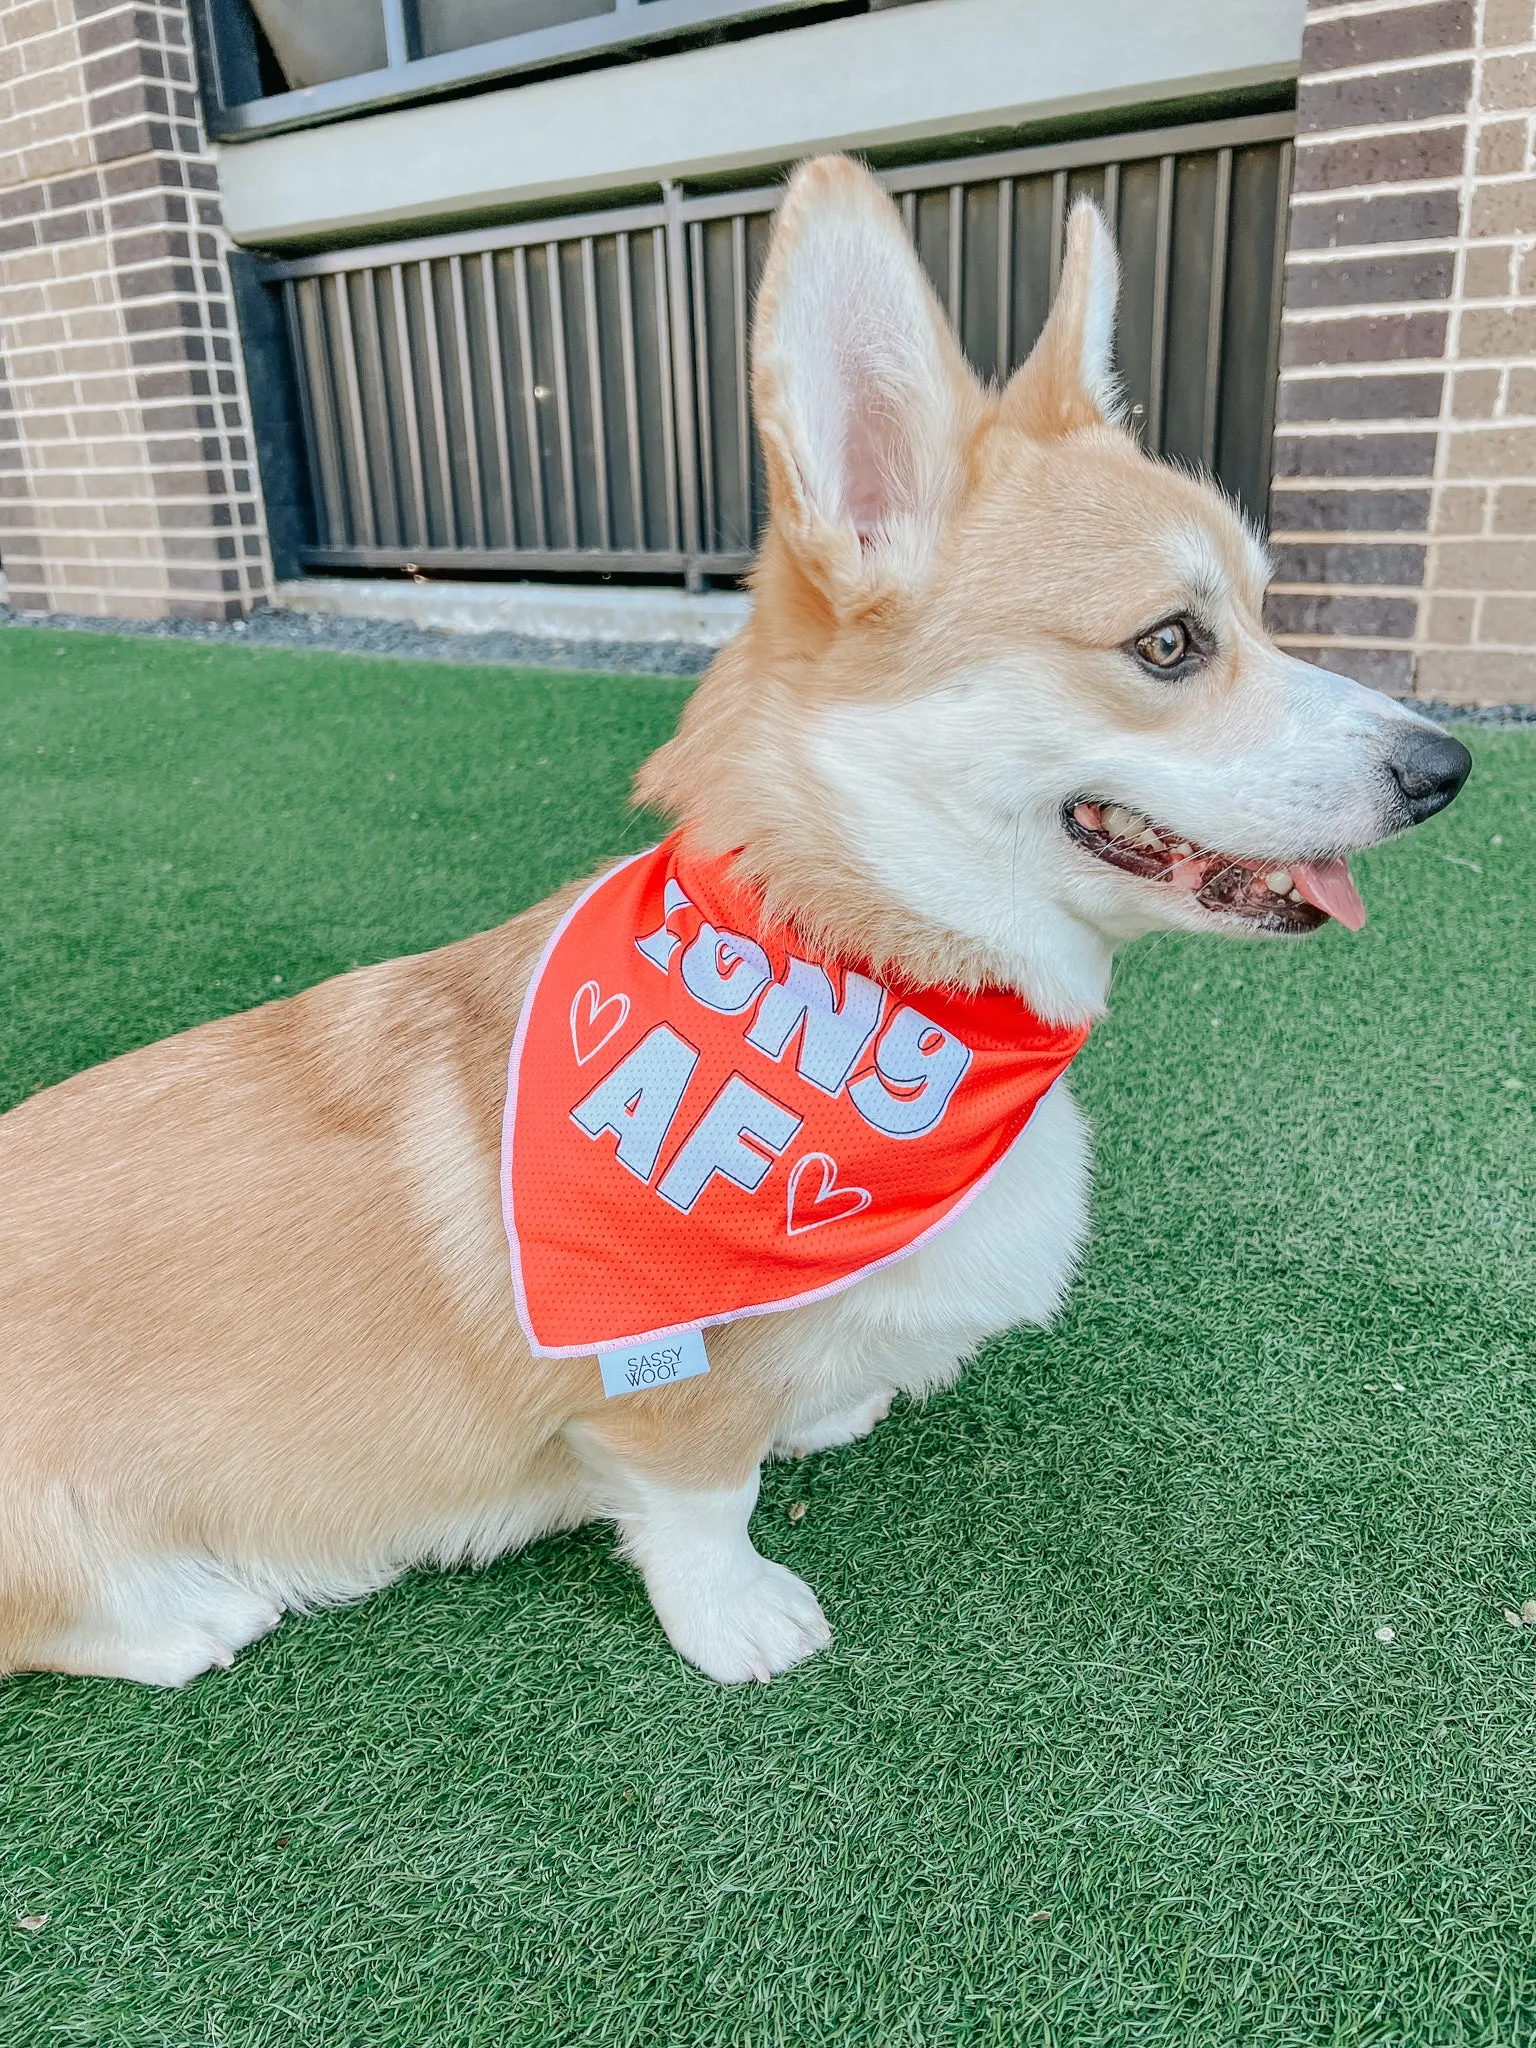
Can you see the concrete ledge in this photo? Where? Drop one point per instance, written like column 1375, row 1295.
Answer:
column 895, row 76
column 612, row 613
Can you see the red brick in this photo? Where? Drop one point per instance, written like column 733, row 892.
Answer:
column 1384, row 217
column 1366, row 338
column 1302, row 509
column 1384, row 98
column 1388, row 36
column 1401, row 157
column 1415, row 396
column 1355, row 618
column 1354, row 455
column 1370, row 280
column 1392, row 563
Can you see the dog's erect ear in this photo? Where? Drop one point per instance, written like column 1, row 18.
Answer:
column 863, row 398
column 1068, row 381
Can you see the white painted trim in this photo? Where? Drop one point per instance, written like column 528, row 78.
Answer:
column 902, row 75
column 608, row 613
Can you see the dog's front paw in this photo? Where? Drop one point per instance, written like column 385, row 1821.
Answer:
column 753, row 1622
column 832, row 1431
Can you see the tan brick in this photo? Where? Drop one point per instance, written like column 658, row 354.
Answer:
column 109, row 385
column 29, row 320
column 32, row 18
column 66, row 455
column 1507, row 21
column 1487, row 272
column 1492, row 452
column 1510, row 81
column 1484, row 564
column 27, row 364
column 1497, row 331
column 1459, row 509
column 1475, row 393
column 1503, row 209
column 94, row 323
column 60, row 87
column 69, row 294
column 128, row 576
column 1507, row 622
column 1476, row 676
column 29, row 266
column 59, row 48
column 1520, row 398
column 130, row 518
column 125, row 547
column 115, row 483
column 88, row 258
column 1514, row 509
column 50, row 100
column 52, row 159
column 93, row 423
column 1501, row 148
column 45, row 423
column 1450, row 620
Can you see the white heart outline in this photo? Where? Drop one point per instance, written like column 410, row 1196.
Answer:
column 597, row 1002
column 829, row 1185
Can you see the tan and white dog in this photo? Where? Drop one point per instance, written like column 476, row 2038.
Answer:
column 1004, row 695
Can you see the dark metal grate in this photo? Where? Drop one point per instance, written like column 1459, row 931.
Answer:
column 573, row 394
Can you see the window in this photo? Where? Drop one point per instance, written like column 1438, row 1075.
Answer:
column 274, row 64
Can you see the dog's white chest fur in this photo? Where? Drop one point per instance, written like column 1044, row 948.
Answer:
column 1006, row 1259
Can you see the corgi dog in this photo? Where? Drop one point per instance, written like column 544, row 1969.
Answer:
column 1005, row 701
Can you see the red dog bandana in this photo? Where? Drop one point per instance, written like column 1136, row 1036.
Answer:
column 707, row 1119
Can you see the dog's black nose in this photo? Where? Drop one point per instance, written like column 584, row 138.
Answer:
column 1429, row 768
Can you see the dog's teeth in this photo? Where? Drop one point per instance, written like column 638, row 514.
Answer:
column 1279, row 882
column 1183, row 849
column 1152, row 839
column 1297, row 897
column 1118, row 821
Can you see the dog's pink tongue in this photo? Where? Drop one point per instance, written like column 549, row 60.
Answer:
column 1328, row 885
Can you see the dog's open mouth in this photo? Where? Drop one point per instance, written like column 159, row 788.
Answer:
column 1296, row 897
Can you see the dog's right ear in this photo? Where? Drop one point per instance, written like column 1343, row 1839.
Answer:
column 863, row 398
column 1068, row 380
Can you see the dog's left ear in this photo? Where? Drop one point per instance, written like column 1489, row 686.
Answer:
column 863, row 399
column 1068, row 380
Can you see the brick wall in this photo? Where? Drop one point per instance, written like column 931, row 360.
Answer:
column 1404, row 502
column 127, row 480
column 1477, row 638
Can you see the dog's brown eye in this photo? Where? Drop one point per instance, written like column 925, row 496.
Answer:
column 1166, row 646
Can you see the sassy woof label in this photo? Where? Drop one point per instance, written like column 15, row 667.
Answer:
column 638, row 1366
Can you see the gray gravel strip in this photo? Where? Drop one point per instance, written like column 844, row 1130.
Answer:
column 324, row 631
column 321, row 631
column 1477, row 714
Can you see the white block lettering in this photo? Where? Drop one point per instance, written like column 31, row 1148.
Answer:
column 724, row 971
column 923, row 1065
column 714, row 1145
column 639, row 1099
column 659, row 946
column 834, row 1036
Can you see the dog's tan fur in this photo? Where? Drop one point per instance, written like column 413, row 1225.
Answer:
column 257, row 1320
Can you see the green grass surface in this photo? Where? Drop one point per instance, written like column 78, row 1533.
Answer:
column 1107, row 1750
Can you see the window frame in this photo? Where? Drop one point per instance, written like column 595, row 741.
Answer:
column 235, row 109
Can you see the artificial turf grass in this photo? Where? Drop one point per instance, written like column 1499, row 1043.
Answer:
column 1105, row 1612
